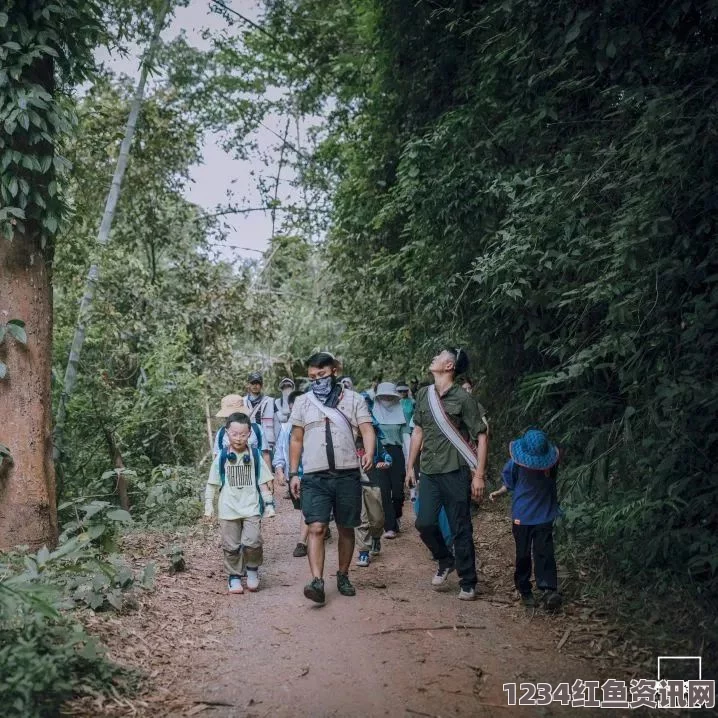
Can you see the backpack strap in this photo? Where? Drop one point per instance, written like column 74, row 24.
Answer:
column 220, row 437
column 256, row 457
column 258, row 433
column 223, row 456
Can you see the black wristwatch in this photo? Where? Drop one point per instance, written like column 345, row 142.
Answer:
column 292, row 474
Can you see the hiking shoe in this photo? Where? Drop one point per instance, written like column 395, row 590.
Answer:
column 234, row 584
column 269, row 511
column 300, row 550
column 528, row 600
column 314, row 590
column 552, row 600
column 441, row 575
column 252, row 579
column 344, row 585
column 389, row 534
column 375, row 547
column 363, row 559
column 467, row 594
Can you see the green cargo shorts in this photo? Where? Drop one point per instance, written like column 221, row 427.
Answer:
column 325, row 492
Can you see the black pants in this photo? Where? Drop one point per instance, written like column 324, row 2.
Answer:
column 453, row 492
column 397, row 474
column 540, row 537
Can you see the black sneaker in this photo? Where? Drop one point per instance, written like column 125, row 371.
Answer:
column 300, row 551
column 344, row 585
column 314, row 590
column 528, row 600
column 375, row 547
column 552, row 600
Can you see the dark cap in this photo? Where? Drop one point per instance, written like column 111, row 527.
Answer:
column 255, row 377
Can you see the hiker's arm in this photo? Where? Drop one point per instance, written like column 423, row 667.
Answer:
column 267, row 459
column 478, row 482
column 368, row 436
column 417, row 439
column 211, row 490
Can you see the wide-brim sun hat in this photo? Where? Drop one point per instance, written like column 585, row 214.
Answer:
column 534, row 451
column 386, row 388
column 231, row 404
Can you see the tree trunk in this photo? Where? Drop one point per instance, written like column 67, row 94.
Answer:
column 27, row 484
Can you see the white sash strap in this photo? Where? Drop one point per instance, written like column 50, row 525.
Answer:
column 334, row 415
column 449, row 430
column 259, row 408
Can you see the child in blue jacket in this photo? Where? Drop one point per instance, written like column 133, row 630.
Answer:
column 530, row 476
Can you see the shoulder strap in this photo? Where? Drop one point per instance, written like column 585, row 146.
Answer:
column 256, row 458
column 334, row 415
column 258, row 433
column 448, row 429
column 223, row 455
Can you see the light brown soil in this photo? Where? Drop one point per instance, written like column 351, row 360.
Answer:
column 387, row 651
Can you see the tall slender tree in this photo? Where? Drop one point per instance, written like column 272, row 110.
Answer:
column 36, row 50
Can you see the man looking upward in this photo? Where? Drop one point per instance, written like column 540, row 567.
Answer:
column 325, row 422
column 445, row 418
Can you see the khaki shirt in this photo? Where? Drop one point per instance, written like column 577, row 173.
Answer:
column 438, row 455
column 313, row 421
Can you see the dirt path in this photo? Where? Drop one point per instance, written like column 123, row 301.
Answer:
column 274, row 653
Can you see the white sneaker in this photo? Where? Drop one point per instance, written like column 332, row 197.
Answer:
column 467, row 594
column 234, row 584
column 269, row 511
column 441, row 575
column 252, row 579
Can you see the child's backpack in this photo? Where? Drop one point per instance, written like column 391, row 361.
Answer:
column 225, row 454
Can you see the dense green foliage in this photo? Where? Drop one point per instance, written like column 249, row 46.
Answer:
column 46, row 656
column 536, row 181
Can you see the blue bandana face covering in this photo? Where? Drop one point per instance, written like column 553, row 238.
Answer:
column 322, row 387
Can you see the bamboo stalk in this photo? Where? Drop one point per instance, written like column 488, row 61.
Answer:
column 103, row 236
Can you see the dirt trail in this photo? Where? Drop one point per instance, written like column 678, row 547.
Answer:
column 274, row 653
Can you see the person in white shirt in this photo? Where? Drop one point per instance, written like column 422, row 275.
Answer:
column 242, row 478
column 261, row 408
column 282, row 408
column 325, row 424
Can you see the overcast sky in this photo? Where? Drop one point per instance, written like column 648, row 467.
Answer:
column 219, row 171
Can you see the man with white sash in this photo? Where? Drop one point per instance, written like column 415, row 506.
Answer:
column 446, row 418
column 325, row 424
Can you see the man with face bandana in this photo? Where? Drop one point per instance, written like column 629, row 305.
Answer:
column 390, row 416
column 325, row 423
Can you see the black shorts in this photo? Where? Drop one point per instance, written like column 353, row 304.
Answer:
column 325, row 492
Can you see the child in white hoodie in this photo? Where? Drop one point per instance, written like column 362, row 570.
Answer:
column 242, row 477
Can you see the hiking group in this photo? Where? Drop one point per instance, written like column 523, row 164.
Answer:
column 350, row 457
